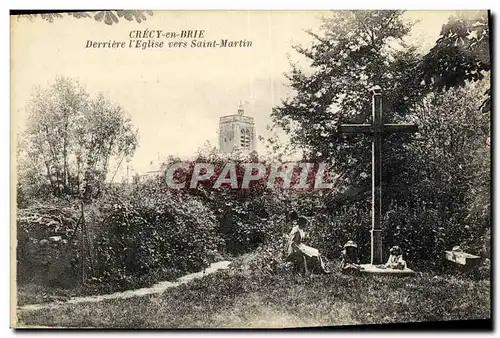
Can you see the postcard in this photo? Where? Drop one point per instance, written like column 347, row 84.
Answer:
column 250, row 169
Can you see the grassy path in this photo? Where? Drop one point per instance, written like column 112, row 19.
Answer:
column 155, row 289
column 232, row 299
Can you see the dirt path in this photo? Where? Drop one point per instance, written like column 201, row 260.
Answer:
column 155, row 289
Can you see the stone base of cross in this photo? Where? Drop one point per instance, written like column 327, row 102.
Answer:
column 377, row 130
column 370, row 269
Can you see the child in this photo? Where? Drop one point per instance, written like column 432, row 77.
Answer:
column 395, row 260
column 349, row 256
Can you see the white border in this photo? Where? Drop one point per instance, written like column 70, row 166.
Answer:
column 176, row 4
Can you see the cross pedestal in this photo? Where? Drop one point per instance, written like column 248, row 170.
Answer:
column 377, row 130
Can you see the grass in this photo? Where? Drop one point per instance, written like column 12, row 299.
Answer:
column 35, row 293
column 32, row 293
column 232, row 299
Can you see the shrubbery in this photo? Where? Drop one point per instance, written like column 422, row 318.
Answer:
column 134, row 237
column 154, row 230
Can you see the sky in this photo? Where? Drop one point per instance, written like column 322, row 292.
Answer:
column 175, row 96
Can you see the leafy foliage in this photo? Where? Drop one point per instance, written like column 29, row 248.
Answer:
column 441, row 184
column 427, row 178
column 154, row 229
column 462, row 52
column 243, row 215
column 71, row 139
column 108, row 17
column 351, row 57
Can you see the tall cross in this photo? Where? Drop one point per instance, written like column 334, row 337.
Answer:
column 377, row 129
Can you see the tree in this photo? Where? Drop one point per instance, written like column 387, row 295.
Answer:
column 356, row 50
column 426, row 194
column 73, row 137
column 442, row 199
column 461, row 53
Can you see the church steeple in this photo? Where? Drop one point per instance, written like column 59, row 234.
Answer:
column 237, row 131
column 240, row 109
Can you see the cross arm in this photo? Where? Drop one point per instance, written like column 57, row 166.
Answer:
column 355, row 128
column 399, row 128
column 371, row 128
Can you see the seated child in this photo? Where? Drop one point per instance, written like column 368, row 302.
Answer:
column 395, row 260
column 349, row 256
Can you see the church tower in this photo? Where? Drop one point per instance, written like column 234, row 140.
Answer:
column 237, row 131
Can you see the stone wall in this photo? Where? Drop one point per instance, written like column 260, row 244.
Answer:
column 48, row 245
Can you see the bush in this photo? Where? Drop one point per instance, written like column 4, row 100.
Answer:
column 153, row 230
